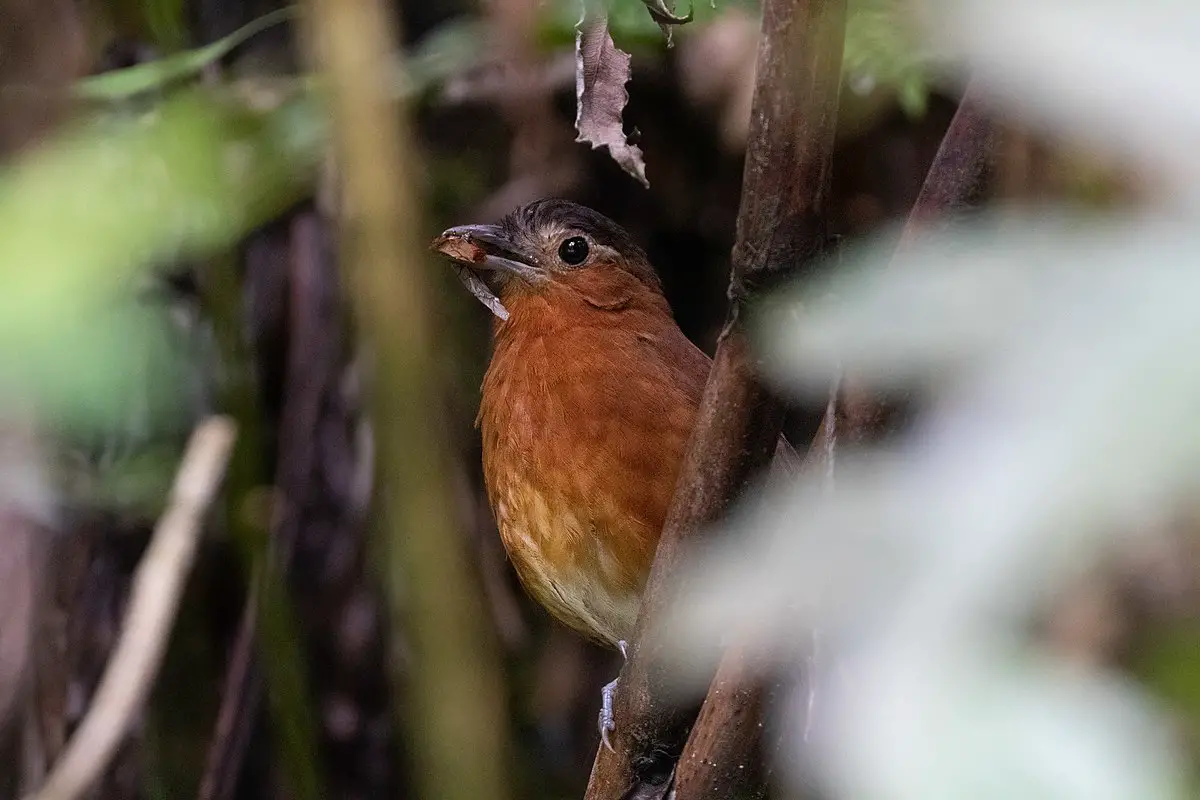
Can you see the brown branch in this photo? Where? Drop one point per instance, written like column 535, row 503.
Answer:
column 963, row 164
column 781, row 226
column 724, row 755
column 241, row 701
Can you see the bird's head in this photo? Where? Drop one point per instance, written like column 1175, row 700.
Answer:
column 549, row 246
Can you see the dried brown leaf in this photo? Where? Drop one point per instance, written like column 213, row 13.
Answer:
column 601, row 72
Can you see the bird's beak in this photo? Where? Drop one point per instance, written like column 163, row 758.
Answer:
column 482, row 249
column 486, row 247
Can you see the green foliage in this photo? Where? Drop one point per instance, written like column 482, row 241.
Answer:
column 631, row 25
column 446, row 51
column 164, row 19
column 157, row 75
column 83, row 218
column 882, row 50
column 1167, row 663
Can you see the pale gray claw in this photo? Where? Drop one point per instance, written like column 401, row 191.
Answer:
column 606, row 712
column 607, row 725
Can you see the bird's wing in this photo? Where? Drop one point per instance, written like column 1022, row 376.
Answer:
column 692, row 365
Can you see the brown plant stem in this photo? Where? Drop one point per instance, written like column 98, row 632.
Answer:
column 724, row 754
column 957, row 177
column 451, row 674
column 781, row 226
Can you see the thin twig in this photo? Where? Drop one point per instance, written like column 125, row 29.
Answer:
column 156, row 591
column 241, row 700
column 781, row 227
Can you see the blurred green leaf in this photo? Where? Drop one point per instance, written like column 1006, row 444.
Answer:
column 449, row 49
column 165, row 20
column 1167, row 662
column 882, row 50
column 136, row 486
column 629, row 22
column 84, row 216
column 154, row 75
column 879, row 45
column 913, row 97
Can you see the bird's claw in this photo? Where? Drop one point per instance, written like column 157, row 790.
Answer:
column 607, row 725
column 607, row 694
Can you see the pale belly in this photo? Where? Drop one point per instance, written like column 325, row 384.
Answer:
column 563, row 562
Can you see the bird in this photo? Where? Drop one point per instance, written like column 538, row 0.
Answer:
column 586, row 409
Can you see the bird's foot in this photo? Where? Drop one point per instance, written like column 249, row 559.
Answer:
column 607, row 724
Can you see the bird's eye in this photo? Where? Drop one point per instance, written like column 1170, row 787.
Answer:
column 573, row 251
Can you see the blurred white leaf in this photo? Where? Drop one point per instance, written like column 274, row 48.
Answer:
column 1068, row 422
column 1115, row 72
column 929, row 722
column 1058, row 354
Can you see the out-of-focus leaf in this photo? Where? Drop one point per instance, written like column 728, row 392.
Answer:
column 1168, row 664
column 448, row 50
column 124, row 83
column 627, row 21
column 1062, row 422
column 1054, row 351
column 165, row 20
column 884, row 53
column 601, row 72
column 82, row 217
column 136, row 486
column 1141, row 54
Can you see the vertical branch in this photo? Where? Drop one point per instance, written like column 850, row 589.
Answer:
column 963, row 163
column 781, row 226
column 724, row 753
column 453, row 695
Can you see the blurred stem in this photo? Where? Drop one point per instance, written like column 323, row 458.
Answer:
column 455, row 718
column 959, row 173
column 957, row 180
column 280, row 654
